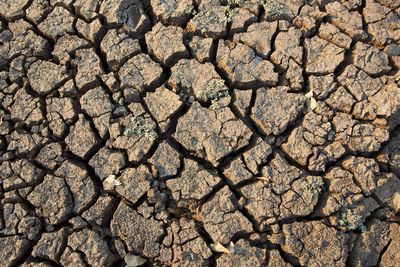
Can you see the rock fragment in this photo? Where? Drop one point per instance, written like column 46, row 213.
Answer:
column 332, row 34
column 13, row 249
column 348, row 21
column 195, row 78
column 287, row 47
column 209, row 23
column 166, row 160
column 107, row 162
column 13, row 10
column 134, row 183
column 80, row 185
column 88, row 68
column 93, row 246
column 26, row 108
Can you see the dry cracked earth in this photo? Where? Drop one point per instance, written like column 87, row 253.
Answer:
column 199, row 133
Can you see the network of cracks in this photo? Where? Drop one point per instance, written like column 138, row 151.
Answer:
column 199, row 132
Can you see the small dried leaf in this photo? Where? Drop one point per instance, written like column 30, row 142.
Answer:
column 394, row 219
column 134, row 260
column 111, row 180
column 217, row 247
column 311, row 102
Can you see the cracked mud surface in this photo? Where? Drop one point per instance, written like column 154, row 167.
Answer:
column 200, row 132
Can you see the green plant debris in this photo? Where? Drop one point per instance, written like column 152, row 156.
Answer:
column 273, row 7
column 137, row 126
column 189, row 9
column 350, row 220
column 203, row 19
column 229, row 9
column 215, row 91
column 312, row 188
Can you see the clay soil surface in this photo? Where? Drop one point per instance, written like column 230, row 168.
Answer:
column 199, row 133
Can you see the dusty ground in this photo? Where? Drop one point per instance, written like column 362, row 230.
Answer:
column 197, row 133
